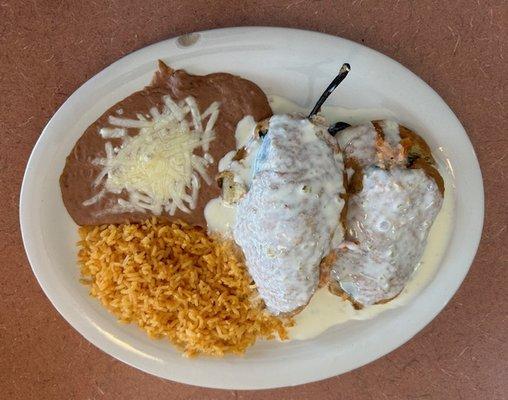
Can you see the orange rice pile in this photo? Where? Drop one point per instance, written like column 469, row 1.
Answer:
column 175, row 281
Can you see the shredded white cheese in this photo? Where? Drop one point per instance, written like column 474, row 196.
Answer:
column 112, row 133
column 158, row 167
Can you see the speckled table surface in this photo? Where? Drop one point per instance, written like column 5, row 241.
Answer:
column 49, row 48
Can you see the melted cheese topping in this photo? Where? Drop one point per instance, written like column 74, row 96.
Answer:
column 158, row 167
column 221, row 215
column 359, row 142
column 289, row 219
column 389, row 221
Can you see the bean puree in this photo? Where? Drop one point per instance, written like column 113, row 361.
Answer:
column 237, row 98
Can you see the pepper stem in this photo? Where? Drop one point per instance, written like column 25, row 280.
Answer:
column 344, row 70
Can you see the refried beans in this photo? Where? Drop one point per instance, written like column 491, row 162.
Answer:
column 237, row 98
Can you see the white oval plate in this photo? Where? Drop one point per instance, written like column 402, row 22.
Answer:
column 295, row 64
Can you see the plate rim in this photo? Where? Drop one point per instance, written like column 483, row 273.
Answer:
column 119, row 352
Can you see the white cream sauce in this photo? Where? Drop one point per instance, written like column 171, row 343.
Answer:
column 390, row 220
column 220, row 216
column 289, row 218
column 217, row 209
column 326, row 310
column 391, row 130
column 244, row 136
column 359, row 142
